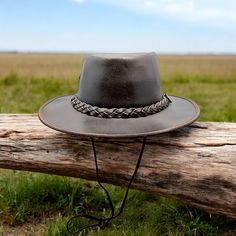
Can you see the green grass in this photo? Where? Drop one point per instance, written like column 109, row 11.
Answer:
column 34, row 198
column 26, row 95
column 49, row 201
column 217, row 98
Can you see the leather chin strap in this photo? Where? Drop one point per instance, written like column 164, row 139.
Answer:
column 102, row 222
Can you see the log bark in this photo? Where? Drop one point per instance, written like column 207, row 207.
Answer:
column 195, row 164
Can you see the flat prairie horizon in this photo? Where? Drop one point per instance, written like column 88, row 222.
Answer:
column 68, row 65
column 33, row 78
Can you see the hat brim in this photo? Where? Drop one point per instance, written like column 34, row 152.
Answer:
column 59, row 114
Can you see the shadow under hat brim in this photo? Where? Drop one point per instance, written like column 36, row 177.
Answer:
column 59, row 114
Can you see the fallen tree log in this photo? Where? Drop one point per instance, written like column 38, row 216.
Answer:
column 195, row 164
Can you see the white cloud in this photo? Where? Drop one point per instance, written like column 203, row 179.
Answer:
column 191, row 10
column 79, row 1
column 199, row 11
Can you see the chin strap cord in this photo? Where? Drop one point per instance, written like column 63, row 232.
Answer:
column 102, row 222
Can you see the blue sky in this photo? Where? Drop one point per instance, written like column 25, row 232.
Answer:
column 164, row 26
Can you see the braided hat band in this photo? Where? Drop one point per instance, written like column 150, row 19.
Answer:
column 133, row 112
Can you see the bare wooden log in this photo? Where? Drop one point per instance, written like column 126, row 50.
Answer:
column 195, row 164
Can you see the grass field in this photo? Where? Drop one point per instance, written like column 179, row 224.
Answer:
column 39, row 204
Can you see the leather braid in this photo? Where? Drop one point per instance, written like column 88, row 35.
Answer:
column 132, row 112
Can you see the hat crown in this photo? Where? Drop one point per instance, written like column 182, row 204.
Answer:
column 116, row 81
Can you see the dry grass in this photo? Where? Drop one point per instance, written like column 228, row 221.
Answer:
column 210, row 66
column 64, row 66
column 69, row 65
column 39, row 77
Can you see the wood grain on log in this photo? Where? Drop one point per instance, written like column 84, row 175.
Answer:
column 195, row 164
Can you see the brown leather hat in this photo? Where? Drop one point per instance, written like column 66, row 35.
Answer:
column 119, row 96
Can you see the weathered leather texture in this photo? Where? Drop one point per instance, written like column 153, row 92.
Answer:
column 120, row 82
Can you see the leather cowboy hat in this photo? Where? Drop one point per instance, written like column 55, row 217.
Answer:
column 119, row 96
